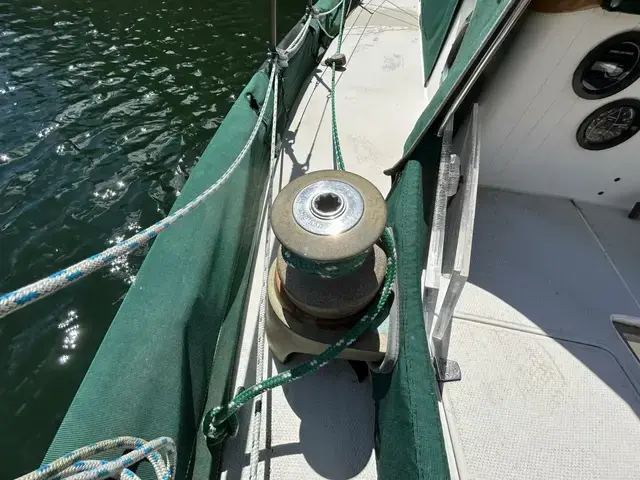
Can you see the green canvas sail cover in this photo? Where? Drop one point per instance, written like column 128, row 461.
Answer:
column 150, row 374
column 435, row 20
column 409, row 440
column 408, row 429
column 488, row 19
column 174, row 338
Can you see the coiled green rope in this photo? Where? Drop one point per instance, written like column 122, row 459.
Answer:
column 327, row 270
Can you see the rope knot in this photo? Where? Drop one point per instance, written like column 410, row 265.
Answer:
column 282, row 58
column 220, row 423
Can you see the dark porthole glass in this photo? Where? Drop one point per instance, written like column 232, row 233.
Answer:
column 609, row 68
column 610, row 125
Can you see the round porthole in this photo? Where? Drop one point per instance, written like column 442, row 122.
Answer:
column 610, row 67
column 610, row 125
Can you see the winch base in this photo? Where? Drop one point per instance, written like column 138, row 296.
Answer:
column 289, row 330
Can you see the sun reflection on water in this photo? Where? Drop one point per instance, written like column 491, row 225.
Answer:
column 71, row 330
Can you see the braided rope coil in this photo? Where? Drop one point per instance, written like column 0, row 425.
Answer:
column 327, row 270
column 78, row 465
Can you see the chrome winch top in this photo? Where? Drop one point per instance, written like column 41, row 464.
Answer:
column 329, row 215
column 328, row 207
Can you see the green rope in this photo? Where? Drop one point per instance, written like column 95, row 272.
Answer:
column 221, row 422
column 328, row 270
column 337, row 152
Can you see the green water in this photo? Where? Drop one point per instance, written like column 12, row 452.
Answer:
column 105, row 107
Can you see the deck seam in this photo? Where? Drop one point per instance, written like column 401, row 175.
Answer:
column 606, row 254
column 492, row 322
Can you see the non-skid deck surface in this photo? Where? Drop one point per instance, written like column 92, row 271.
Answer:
column 322, row 426
column 620, row 237
column 549, row 390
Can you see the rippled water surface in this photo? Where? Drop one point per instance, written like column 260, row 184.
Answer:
column 104, row 109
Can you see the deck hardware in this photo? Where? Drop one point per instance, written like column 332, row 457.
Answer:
column 328, row 207
column 609, row 67
column 449, row 249
column 448, row 370
column 330, row 265
column 610, row 125
column 338, row 59
column 454, row 175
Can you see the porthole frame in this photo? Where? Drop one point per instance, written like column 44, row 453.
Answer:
column 578, row 87
column 582, row 129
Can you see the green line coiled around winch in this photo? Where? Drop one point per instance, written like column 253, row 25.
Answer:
column 328, row 270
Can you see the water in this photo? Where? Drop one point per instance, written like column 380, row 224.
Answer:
column 105, row 107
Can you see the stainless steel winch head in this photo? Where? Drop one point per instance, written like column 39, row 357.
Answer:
column 329, row 215
column 328, row 207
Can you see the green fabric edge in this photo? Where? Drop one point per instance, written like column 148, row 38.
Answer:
column 484, row 21
column 409, row 437
column 435, row 21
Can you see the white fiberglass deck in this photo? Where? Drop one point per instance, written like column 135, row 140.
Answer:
column 549, row 390
column 321, row 426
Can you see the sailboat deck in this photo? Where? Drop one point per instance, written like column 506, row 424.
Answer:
column 321, row 426
column 549, row 389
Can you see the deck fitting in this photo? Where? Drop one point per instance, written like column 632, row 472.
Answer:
column 448, row 370
column 338, row 59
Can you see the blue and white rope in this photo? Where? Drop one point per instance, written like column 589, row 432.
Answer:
column 17, row 299
column 78, row 465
